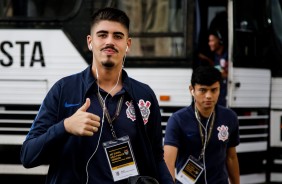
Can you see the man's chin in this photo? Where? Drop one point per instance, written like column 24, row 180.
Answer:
column 209, row 106
column 108, row 64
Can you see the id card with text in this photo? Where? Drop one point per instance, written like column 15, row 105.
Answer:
column 121, row 158
column 190, row 172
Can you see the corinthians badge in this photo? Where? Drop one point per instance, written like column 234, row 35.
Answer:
column 223, row 133
column 144, row 109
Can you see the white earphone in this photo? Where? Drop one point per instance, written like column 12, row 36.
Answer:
column 126, row 49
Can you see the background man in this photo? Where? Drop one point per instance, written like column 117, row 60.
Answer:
column 205, row 131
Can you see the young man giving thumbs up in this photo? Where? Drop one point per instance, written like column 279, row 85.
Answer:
column 100, row 125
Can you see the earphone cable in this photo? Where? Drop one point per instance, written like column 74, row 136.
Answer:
column 103, row 117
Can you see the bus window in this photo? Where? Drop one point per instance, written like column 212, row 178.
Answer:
column 250, row 39
column 37, row 8
column 276, row 50
column 157, row 27
column 161, row 30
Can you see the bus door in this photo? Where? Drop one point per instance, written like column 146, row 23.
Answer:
column 249, row 86
column 276, row 89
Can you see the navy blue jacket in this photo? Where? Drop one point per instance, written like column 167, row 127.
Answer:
column 48, row 142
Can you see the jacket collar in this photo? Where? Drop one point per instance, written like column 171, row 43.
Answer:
column 89, row 81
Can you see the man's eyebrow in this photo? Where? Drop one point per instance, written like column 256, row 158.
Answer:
column 101, row 31
column 119, row 33
column 214, row 88
column 104, row 31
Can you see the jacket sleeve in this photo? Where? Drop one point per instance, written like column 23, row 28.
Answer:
column 47, row 133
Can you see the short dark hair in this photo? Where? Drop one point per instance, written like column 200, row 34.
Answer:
column 205, row 75
column 220, row 35
column 111, row 14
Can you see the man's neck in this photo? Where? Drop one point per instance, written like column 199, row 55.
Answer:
column 109, row 80
column 220, row 51
column 205, row 112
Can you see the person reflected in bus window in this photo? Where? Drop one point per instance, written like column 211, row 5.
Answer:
column 204, row 135
column 217, row 41
column 100, row 125
column 217, row 44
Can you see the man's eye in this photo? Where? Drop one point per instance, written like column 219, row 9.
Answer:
column 102, row 35
column 118, row 37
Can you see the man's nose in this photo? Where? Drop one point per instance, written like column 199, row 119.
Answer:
column 110, row 40
column 208, row 94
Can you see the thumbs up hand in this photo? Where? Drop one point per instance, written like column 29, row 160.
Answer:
column 82, row 123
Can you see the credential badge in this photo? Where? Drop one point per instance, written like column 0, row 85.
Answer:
column 223, row 133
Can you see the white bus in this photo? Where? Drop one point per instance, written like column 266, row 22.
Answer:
column 42, row 41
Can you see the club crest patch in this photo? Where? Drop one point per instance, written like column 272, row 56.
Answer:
column 144, row 109
column 130, row 111
column 223, row 133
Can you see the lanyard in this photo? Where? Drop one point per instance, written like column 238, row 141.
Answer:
column 118, row 109
column 205, row 138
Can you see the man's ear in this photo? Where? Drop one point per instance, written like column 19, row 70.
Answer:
column 89, row 42
column 191, row 90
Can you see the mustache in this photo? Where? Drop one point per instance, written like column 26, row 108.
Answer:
column 110, row 47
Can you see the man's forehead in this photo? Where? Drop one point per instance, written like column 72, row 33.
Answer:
column 109, row 26
column 214, row 85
